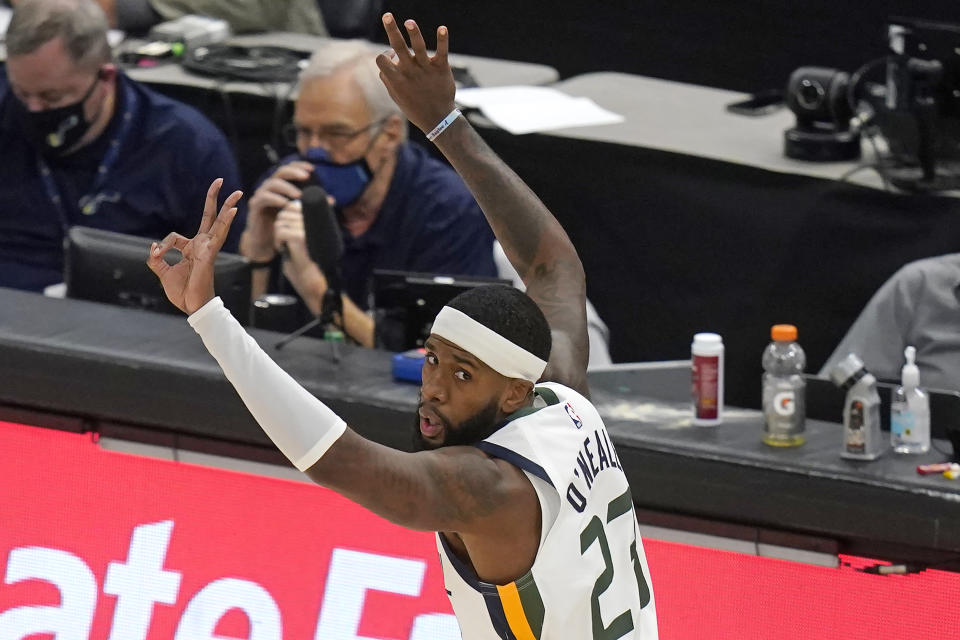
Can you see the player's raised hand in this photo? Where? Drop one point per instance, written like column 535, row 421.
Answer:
column 189, row 283
column 421, row 85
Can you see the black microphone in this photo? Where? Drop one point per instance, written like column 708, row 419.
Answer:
column 322, row 231
column 324, row 243
column 303, row 184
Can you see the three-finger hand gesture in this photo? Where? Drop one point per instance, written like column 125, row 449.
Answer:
column 422, row 85
column 189, row 283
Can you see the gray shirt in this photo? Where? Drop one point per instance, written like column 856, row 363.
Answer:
column 300, row 16
column 920, row 306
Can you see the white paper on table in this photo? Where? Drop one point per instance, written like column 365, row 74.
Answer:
column 478, row 97
column 522, row 110
column 530, row 117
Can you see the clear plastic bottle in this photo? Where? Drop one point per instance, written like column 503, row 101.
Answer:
column 784, row 388
column 910, row 410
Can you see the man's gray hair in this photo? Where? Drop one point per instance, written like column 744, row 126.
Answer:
column 80, row 23
column 359, row 57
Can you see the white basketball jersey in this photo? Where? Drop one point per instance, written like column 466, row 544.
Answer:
column 589, row 580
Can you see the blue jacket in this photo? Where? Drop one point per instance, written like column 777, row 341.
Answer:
column 168, row 156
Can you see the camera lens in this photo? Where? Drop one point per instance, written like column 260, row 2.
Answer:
column 810, row 95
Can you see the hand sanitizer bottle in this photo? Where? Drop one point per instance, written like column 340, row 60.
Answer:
column 910, row 410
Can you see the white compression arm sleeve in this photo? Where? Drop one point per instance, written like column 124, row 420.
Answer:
column 302, row 427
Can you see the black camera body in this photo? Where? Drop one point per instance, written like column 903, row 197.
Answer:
column 920, row 118
column 818, row 98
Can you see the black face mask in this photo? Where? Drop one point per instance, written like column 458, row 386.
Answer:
column 54, row 131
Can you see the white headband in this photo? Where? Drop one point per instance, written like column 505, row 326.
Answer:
column 487, row 345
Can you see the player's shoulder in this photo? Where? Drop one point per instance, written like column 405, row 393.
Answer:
column 556, row 393
column 490, row 471
column 555, row 409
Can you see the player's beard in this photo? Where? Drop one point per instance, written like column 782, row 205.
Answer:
column 479, row 426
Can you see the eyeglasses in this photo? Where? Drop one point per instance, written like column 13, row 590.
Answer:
column 334, row 137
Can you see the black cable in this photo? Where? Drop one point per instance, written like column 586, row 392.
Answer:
column 229, row 121
column 878, row 165
column 253, row 64
column 857, row 76
column 857, row 169
column 282, row 100
column 860, row 167
column 871, row 133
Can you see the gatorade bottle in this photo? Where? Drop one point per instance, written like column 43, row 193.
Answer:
column 784, row 389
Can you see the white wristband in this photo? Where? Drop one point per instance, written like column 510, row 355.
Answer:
column 301, row 426
column 446, row 122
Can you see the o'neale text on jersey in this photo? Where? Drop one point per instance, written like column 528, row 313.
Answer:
column 589, row 464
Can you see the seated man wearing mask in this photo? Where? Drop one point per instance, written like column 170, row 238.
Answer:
column 85, row 145
column 398, row 207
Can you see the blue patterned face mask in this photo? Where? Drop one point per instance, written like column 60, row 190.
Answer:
column 345, row 182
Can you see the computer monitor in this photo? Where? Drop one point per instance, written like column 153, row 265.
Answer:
column 405, row 304
column 104, row 266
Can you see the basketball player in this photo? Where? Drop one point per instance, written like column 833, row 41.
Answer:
column 520, row 480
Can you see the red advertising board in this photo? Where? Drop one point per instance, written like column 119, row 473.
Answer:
column 98, row 544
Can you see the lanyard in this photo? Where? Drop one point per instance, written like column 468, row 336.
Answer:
column 91, row 201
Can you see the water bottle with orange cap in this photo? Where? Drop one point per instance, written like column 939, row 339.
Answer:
column 784, row 388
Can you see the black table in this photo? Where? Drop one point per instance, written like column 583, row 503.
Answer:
column 131, row 374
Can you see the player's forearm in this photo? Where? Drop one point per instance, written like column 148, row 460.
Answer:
column 316, row 440
column 388, row 482
column 535, row 243
column 301, row 426
column 427, row 491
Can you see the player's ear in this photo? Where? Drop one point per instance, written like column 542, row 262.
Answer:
column 515, row 396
